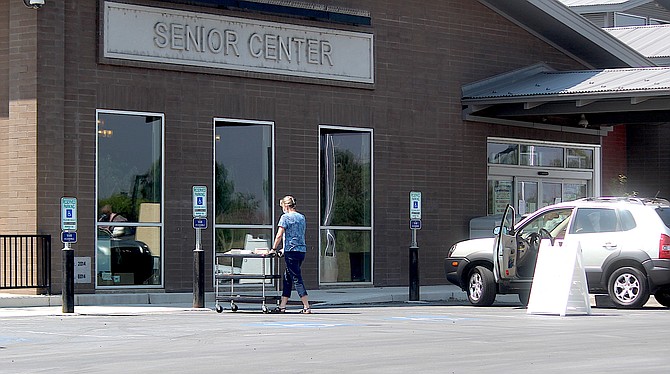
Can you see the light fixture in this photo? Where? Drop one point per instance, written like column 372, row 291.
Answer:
column 583, row 122
column 34, row 4
column 105, row 133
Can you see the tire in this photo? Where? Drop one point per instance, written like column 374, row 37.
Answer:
column 481, row 287
column 628, row 288
column 524, row 297
column 663, row 296
column 219, row 308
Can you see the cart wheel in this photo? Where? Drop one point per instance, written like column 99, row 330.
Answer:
column 233, row 307
column 219, row 308
column 265, row 309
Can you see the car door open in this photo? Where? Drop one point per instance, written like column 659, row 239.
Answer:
column 504, row 260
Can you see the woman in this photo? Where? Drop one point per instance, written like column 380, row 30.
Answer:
column 291, row 231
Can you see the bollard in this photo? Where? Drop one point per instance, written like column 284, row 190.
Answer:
column 68, row 279
column 414, row 273
column 198, row 278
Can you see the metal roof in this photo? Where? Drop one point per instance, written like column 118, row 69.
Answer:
column 540, row 96
column 650, row 41
column 569, row 32
column 653, row 81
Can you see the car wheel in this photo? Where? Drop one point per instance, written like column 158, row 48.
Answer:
column 481, row 287
column 663, row 296
column 524, row 297
column 628, row 288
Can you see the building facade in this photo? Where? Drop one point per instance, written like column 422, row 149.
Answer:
column 346, row 105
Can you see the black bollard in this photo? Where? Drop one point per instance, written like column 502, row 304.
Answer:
column 198, row 278
column 68, row 280
column 414, row 273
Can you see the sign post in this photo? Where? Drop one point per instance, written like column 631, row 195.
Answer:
column 199, row 223
column 68, row 225
column 415, row 224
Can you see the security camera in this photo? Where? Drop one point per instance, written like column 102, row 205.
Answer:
column 34, row 4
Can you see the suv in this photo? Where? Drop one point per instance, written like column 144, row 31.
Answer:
column 625, row 247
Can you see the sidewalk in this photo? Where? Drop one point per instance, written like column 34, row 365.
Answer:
column 101, row 304
column 15, row 305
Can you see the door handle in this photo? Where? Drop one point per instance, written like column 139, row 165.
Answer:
column 609, row 245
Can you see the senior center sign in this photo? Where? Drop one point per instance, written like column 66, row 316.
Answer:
column 140, row 33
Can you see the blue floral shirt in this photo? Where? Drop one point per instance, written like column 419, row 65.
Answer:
column 294, row 231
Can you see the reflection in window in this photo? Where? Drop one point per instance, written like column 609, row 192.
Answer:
column 527, row 197
column 580, row 158
column 500, row 153
column 346, row 206
column 243, row 173
column 129, row 199
column 534, row 155
column 243, row 159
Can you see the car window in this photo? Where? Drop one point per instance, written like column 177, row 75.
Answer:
column 593, row 220
column 554, row 221
column 628, row 222
column 664, row 213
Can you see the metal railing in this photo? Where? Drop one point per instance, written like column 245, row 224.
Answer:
column 25, row 262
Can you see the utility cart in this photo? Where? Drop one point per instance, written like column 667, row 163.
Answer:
column 238, row 267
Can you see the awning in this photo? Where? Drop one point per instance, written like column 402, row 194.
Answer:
column 603, row 97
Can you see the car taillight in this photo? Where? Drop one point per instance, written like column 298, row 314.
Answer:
column 664, row 247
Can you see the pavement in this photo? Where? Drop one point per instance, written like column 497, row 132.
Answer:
column 12, row 304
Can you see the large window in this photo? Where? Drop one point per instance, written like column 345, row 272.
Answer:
column 129, row 199
column 346, row 205
column 244, row 187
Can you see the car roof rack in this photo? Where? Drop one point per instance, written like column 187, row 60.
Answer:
column 634, row 200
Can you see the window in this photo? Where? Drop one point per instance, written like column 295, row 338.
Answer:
column 594, row 220
column 244, row 185
column 499, row 195
column 554, row 221
column 129, row 199
column 580, row 158
column 501, row 153
column 622, row 19
column 346, row 205
column 534, row 155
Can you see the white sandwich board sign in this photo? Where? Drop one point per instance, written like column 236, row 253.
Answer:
column 559, row 284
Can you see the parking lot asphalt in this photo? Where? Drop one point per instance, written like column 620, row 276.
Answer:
column 392, row 337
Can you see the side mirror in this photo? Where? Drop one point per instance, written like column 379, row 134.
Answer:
column 496, row 230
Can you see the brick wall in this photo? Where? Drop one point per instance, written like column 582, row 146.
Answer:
column 18, row 119
column 614, row 161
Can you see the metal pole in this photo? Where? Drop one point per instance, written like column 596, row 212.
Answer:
column 198, row 273
column 414, row 269
column 68, row 279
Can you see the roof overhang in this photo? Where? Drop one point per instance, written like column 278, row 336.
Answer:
column 541, row 96
column 569, row 32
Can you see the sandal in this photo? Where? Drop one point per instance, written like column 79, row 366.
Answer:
column 278, row 310
column 306, row 311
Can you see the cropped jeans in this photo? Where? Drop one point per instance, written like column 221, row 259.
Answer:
column 293, row 276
